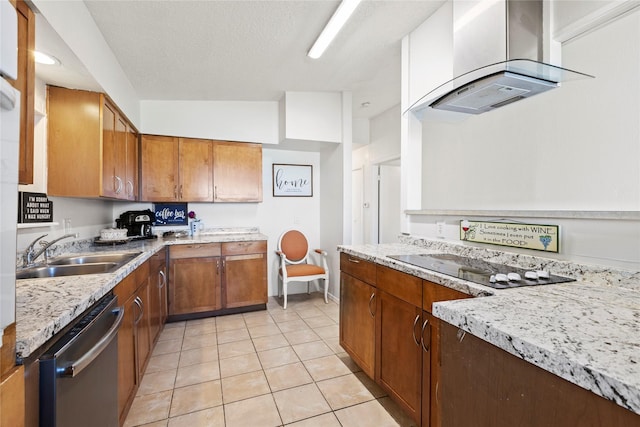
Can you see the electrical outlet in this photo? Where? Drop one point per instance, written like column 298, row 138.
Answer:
column 440, row 229
column 296, row 220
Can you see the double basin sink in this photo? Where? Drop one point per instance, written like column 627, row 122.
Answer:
column 77, row 265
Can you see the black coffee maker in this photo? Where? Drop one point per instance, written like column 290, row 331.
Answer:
column 137, row 223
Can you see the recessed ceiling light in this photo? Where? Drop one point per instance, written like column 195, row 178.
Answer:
column 333, row 27
column 45, row 59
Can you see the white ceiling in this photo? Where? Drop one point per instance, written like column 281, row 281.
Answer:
column 248, row 50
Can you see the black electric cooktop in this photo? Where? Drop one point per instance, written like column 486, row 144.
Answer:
column 481, row 272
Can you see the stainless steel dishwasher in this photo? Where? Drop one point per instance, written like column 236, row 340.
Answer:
column 79, row 373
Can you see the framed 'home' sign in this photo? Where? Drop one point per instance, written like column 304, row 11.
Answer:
column 292, row 180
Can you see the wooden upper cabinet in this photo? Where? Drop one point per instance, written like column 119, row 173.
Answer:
column 87, row 146
column 176, row 169
column 237, row 172
column 131, row 161
column 158, row 168
column 199, row 170
column 25, row 83
column 195, row 170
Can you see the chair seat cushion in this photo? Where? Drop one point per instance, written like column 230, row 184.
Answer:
column 303, row 270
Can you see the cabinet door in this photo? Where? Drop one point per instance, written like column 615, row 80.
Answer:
column 196, row 174
column 142, row 329
column 237, row 172
column 25, row 83
column 131, row 165
column 398, row 351
column 114, row 153
column 245, row 280
column 194, row 285
column 430, row 373
column 159, row 168
column 357, row 321
column 127, row 374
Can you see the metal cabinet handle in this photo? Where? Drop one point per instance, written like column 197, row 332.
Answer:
column 118, row 187
column 175, row 191
column 422, row 340
column 217, row 266
column 130, row 188
column 137, row 301
column 355, row 261
column 415, row 322
column 373, row 295
column 163, row 282
column 180, row 191
column 85, row 360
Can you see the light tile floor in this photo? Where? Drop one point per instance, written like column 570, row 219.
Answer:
column 260, row 369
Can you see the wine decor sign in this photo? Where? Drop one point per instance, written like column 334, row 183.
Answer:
column 292, row 180
column 527, row 236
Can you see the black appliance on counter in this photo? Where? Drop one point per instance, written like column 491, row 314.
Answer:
column 485, row 273
column 137, row 223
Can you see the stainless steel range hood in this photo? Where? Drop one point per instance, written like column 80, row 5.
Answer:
column 498, row 58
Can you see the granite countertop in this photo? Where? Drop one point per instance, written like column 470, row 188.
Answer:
column 583, row 332
column 45, row 306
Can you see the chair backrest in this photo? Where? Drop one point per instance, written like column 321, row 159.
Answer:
column 294, row 245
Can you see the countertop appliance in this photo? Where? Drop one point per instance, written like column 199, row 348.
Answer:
column 496, row 276
column 79, row 373
column 9, row 149
column 137, row 223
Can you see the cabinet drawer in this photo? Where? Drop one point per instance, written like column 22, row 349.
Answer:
column 432, row 292
column 241, row 248
column 401, row 285
column 358, row 268
column 194, row 251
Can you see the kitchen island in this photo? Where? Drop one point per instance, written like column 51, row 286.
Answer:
column 45, row 307
column 583, row 332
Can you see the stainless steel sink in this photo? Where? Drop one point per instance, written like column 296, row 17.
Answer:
column 66, row 270
column 118, row 258
column 77, row 265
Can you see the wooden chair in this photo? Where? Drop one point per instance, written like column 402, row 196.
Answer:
column 296, row 264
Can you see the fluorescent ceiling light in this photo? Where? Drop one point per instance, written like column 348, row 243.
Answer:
column 334, row 26
column 45, row 59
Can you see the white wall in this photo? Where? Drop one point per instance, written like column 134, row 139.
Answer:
column 384, row 146
column 223, row 120
column 73, row 22
column 574, row 148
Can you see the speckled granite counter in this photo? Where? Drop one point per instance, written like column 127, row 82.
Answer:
column 45, row 306
column 586, row 333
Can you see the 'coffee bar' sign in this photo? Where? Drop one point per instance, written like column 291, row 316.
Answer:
column 528, row 236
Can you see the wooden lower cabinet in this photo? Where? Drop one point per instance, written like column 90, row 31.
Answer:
column 213, row 277
column 158, row 309
column 12, row 398
column 134, row 343
column 357, row 321
column 484, row 386
column 387, row 328
column 398, row 352
column 194, row 284
column 244, row 266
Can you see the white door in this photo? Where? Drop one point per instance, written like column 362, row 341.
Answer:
column 357, row 200
column 389, row 211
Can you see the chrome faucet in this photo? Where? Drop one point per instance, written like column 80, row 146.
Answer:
column 30, row 254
